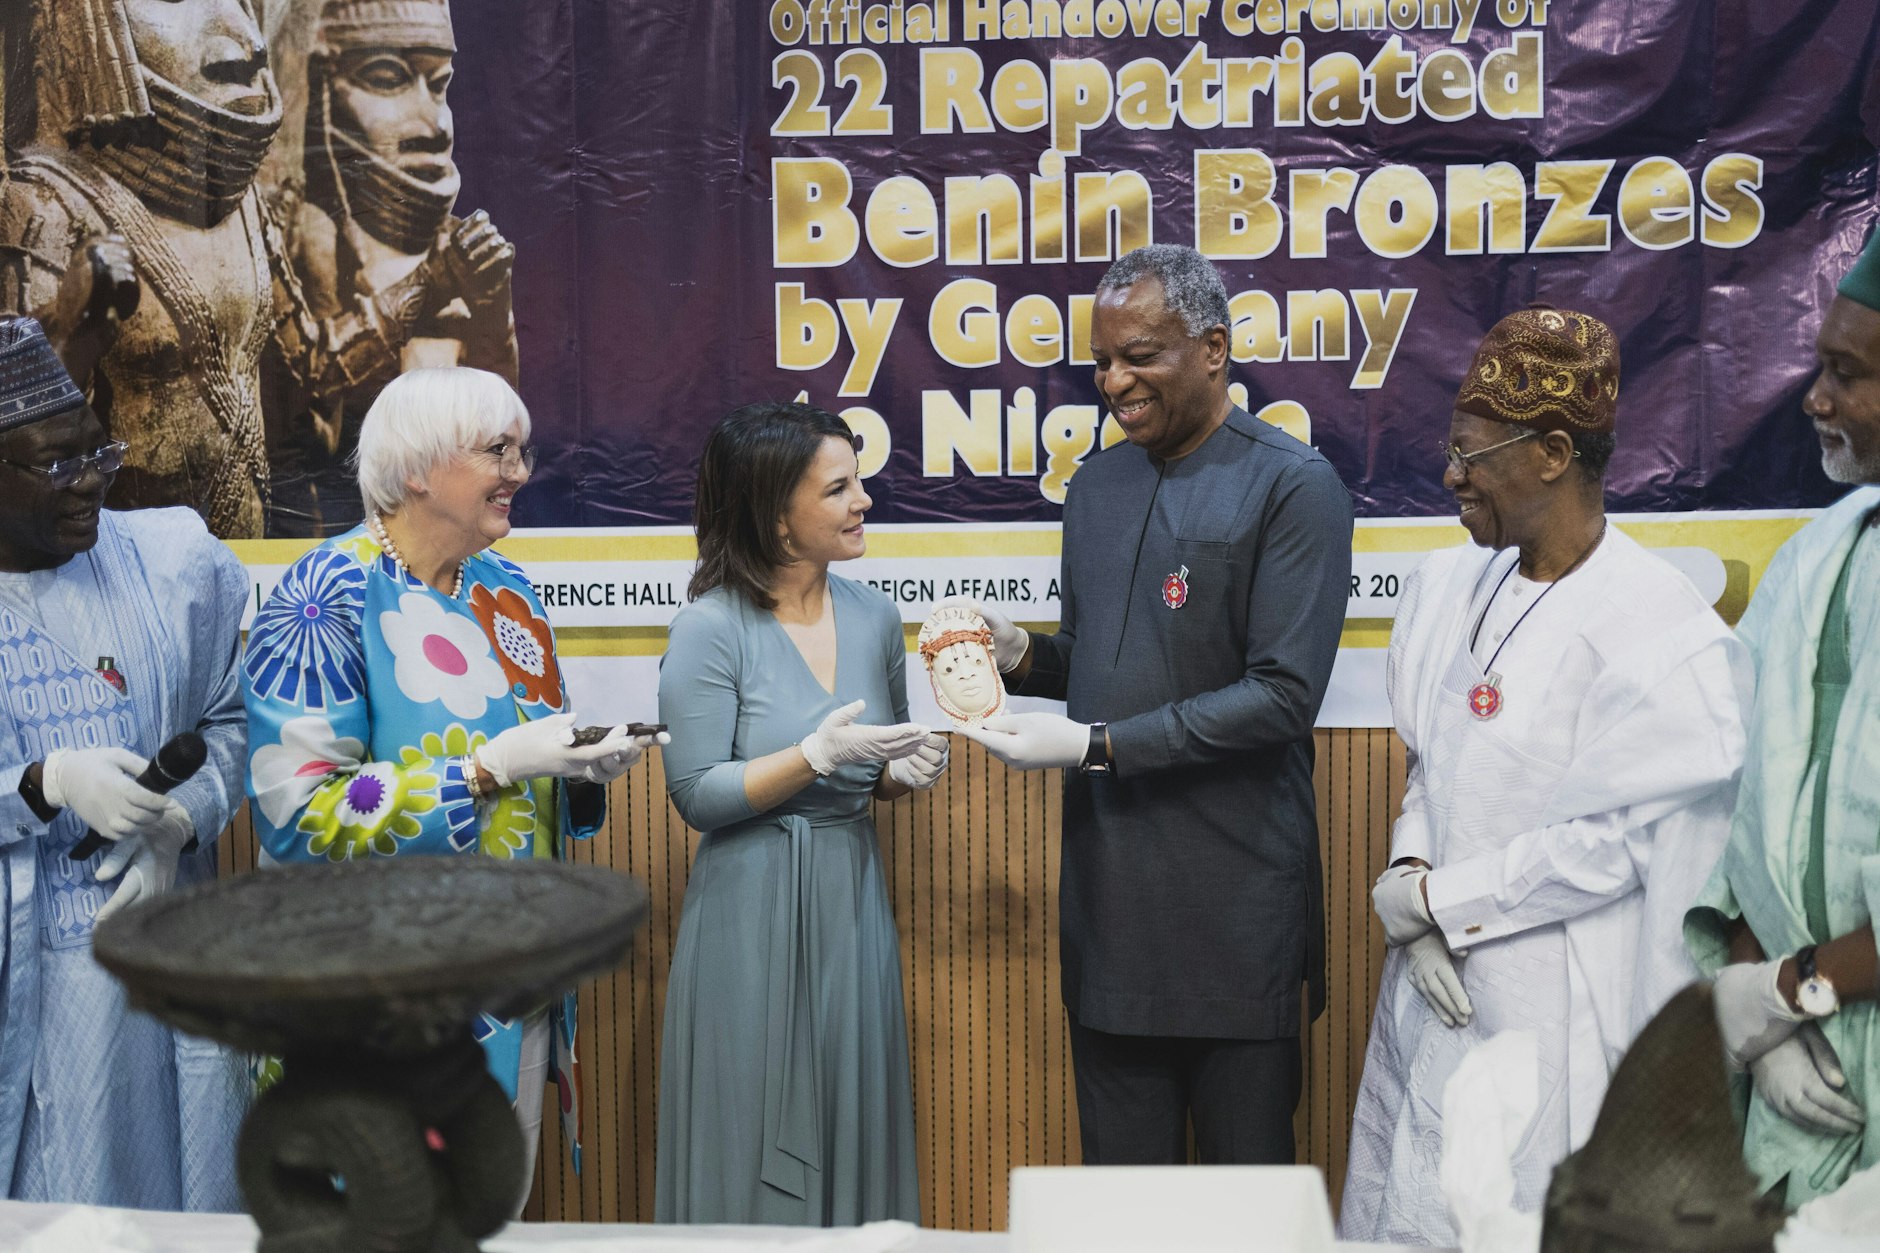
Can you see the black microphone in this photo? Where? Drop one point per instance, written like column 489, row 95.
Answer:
column 174, row 762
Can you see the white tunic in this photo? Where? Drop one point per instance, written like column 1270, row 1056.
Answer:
column 1568, row 833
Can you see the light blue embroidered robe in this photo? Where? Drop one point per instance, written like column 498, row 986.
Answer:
column 97, row 1104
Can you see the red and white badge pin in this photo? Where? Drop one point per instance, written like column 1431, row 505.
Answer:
column 1485, row 697
column 1175, row 589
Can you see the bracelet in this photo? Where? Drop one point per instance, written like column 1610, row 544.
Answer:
column 471, row 780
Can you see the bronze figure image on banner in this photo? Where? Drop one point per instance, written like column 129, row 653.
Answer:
column 370, row 227
column 214, row 324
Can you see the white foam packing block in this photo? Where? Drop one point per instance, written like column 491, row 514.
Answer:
column 1194, row 1209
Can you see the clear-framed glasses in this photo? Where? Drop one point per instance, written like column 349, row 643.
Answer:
column 1460, row 461
column 511, row 457
column 67, row 471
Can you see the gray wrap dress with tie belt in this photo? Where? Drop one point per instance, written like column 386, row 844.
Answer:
column 784, row 1090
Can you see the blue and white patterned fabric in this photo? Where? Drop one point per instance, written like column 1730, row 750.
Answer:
column 98, row 1104
column 33, row 381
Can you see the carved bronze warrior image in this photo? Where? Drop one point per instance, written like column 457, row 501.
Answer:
column 147, row 122
column 370, row 224
column 133, row 225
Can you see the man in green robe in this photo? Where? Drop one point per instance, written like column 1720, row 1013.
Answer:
column 1786, row 922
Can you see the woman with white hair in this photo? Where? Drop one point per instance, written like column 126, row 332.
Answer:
column 402, row 689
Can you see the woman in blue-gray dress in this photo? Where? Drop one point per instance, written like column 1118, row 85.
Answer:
column 784, row 1094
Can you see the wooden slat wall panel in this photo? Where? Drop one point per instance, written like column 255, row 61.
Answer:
column 1359, row 779
column 972, row 871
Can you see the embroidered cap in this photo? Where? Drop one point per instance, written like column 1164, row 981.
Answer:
column 1862, row 283
column 1546, row 369
column 34, row 383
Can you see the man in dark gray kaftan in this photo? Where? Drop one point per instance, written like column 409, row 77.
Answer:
column 1206, row 565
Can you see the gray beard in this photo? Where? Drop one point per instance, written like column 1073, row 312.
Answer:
column 189, row 160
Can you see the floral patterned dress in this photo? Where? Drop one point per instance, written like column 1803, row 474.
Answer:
column 366, row 692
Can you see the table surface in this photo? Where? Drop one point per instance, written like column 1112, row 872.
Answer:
column 89, row 1227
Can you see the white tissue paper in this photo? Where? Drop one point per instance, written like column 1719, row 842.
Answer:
column 875, row 1237
column 1487, row 1106
column 1847, row 1220
column 93, row 1230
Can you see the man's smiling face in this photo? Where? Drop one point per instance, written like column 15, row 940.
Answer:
column 1157, row 379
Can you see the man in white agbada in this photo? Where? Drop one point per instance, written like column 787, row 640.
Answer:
column 117, row 631
column 1787, row 920
column 1574, row 717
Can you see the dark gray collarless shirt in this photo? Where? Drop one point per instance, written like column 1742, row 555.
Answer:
column 1203, row 603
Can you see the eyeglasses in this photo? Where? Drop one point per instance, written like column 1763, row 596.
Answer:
column 67, row 471
column 510, row 456
column 1460, row 461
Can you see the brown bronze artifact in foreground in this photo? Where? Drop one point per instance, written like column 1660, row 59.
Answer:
column 1663, row 1171
column 365, row 978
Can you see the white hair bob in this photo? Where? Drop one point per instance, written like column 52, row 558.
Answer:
column 424, row 419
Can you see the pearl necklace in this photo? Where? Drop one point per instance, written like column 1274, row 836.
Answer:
column 376, row 525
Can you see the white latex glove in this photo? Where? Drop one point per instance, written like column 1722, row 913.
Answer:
column 1009, row 641
column 1035, row 741
column 151, row 854
column 544, row 748
column 1803, row 1081
column 100, row 786
column 924, row 767
column 841, row 741
column 1398, row 898
column 1752, row 1014
column 626, row 751
column 1433, row 973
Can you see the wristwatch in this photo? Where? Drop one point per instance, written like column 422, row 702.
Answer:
column 35, row 799
column 1813, row 992
column 1097, row 756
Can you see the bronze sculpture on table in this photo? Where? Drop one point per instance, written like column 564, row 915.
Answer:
column 1663, row 1171
column 365, row 978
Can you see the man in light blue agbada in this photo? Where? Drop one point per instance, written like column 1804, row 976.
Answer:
column 117, row 631
column 1786, row 923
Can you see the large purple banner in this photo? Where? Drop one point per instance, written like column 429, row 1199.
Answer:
column 900, row 209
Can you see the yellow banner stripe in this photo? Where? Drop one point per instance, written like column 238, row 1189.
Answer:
column 1746, row 545
column 577, row 547
column 1753, row 540
column 1407, row 539
column 651, row 641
